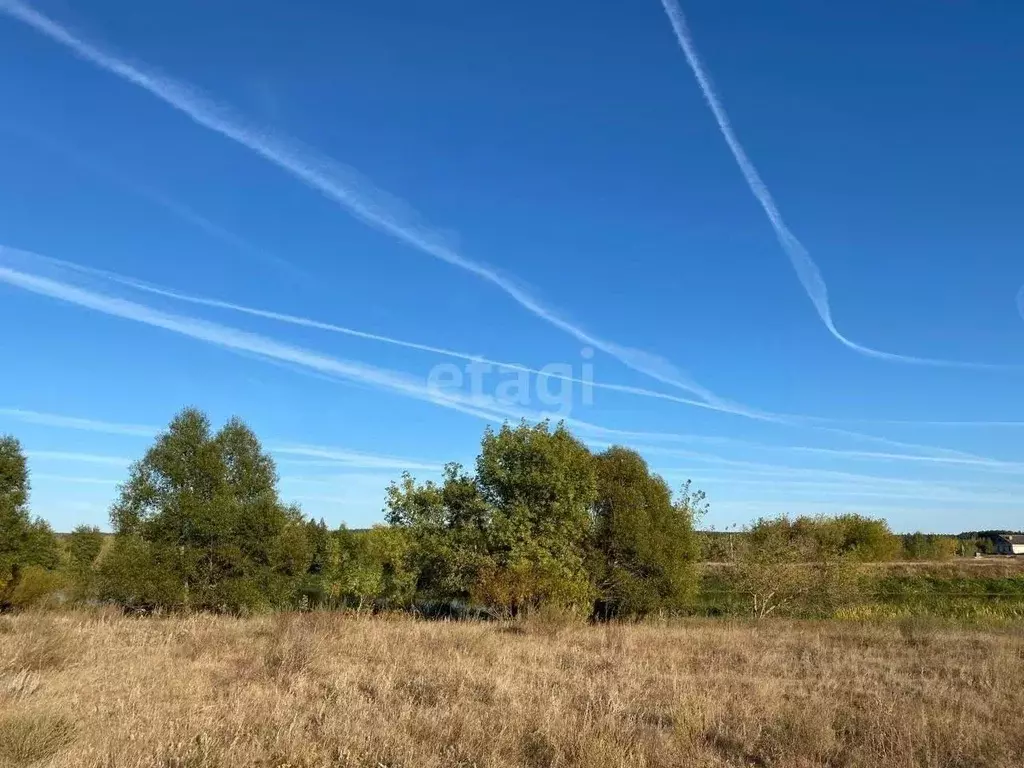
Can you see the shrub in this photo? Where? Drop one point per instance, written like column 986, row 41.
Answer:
column 34, row 586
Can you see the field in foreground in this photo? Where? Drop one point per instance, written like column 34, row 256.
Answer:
column 81, row 689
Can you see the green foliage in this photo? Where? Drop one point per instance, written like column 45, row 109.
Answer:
column 35, row 586
column 865, row 539
column 27, row 547
column 922, row 546
column 358, row 578
column 206, row 508
column 448, row 528
column 84, row 546
column 390, row 549
column 40, row 546
column 141, row 576
column 540, row 485
column 539, row 526
column 644, row 545
column 14, row 519
column 512, row 536
column 861, row 538
column 803, row 567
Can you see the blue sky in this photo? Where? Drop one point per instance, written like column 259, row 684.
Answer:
column 783, row 240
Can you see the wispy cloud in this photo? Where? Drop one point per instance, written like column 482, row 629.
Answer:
column 782, row 470
column 342, row 457
column 331, row 456
column 806, row 269
column 344, row 186
column 305, row 322
column 73, row 479
column 161, row 199
column 264, row 348
column 244, row 342
column 86, row 458
column 810, row 422
column 73, row 422
column 825, row 492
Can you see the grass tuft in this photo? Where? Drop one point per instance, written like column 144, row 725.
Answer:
column 27, row 739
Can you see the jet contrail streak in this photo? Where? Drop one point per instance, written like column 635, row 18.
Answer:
column 342, row 185
column 806, row 270
column 271, row 350
column 306, row 322
column 736, row 409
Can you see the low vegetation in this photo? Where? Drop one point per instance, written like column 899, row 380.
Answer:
column 541, row 523
column 334, row 689
column 219, row 626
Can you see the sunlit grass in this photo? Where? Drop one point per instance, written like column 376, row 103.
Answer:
column 89, row 689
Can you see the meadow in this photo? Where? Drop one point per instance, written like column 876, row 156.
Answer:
column 96, row 688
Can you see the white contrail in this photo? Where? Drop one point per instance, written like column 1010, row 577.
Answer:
column 339, row 457
column 73, row 422
column 722, row 407
column 305, row 322
column 342, row 185
column 776, row 469
column 73, row 479
column 184, row 212
column 245, row 342
column 807, row 271
column 735, row 409
column 263, row 348
column 481, row 406
column 88, row 458
column 957, row 458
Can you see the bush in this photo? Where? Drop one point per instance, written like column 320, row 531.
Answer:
column 137, row 576
column 34, row 586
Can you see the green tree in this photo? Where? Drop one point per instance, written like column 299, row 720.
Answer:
column 28, row 547
column 512, row 536
column 645, row 547
column 84, row 545
column 40, row 547
column 447, row 526
column 141, row 576
column 866, row 539
column 14, row 516
column 359, row 576
column 796, row 567
column 206, row 507
column 862, row 538
column 540, row 485
column 928, row 546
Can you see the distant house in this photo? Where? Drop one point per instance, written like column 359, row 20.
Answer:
column 1010, row 544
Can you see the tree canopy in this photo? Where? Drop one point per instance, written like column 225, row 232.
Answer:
column 24, row 542
column 202, row 508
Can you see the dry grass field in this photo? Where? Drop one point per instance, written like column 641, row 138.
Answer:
column 98, row 689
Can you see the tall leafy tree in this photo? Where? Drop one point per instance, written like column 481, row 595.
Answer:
column 512, row 535
column 448, row 525
column 644, row 544
column 14, row 517
column 207, row 507
column 84, row 545
column 23, row 541
column 540, row 486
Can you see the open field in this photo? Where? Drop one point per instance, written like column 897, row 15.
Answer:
column 99, row 689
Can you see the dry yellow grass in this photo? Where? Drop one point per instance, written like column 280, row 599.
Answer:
column 80, row 689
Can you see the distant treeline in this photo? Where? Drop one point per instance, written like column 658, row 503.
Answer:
column 871, row 538
column 541, row 522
